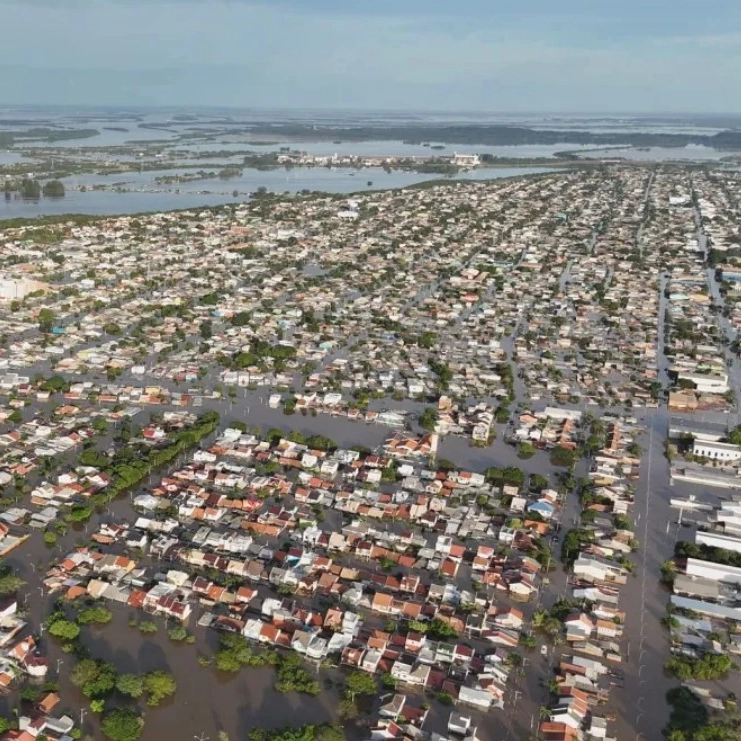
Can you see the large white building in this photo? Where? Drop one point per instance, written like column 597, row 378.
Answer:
column 466, row 160
column 711, row 383
column 714, row 571
column 716, row 451
column 12, row 289
column 718, row 540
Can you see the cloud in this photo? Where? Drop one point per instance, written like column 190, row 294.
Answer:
column 474, row 54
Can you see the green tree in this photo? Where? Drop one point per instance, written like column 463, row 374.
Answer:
column 54, row 384
column 705, row 668
column 159, row 685
column 360, row 683
column 100, row 615
column 293, row 677
column 50, row 537
column 526, row 449
column 527, row 641
column 439, row 629
column 427, row 340
column 46, row 320
column 419, row 626
column 84, row 671
column 130, row 684
column 538, row 482
column 64, row 629
column 328, row 732
column 668, row 572
column 100, row 425
column 513, row 475
column 54, row 189
column 319, row 442
column 241, row 319
column 428, row 418
column 347, row 709
column 122, row 724
column 30, row 189
column 177, row 633
column 103, row 683
column 209, row 299
column 501, row 415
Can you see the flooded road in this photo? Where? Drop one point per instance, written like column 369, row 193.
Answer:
column 207, row 701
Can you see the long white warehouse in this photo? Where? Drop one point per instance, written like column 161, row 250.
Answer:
column 713, row 571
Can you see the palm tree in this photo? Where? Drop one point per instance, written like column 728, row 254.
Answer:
column 552, row 626
column 539, row 617
column 545, row 713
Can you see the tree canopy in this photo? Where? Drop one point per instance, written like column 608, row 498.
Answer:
column 710, row 666
column 64, row 629
column 324, row 732
column 360, row 683
column 158, row 686
column 53, row 189
column 130, row 684
column 122, row 724
column 10, row 582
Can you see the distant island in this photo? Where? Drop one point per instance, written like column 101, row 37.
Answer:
column 498, row 135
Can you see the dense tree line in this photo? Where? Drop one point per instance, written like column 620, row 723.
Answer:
column 690, row 719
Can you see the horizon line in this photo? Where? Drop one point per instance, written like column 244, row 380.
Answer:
column 332, row 109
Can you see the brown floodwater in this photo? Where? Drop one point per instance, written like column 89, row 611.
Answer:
column 206, row 701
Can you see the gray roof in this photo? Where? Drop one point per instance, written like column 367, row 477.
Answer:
column 707, row 608
column 696, row 586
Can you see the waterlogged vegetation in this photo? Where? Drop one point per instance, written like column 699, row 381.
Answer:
column 235, row 652
column 291, row 674
column 102, row 685
column 323, row 732
column 691, row 720
column 703, row 668
column 132, row 462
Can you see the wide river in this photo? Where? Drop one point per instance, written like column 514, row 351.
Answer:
column 142, row 194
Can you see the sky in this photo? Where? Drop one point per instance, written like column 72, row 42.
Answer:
column 650, row 56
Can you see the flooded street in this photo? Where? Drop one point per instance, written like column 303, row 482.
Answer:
column 208, row 701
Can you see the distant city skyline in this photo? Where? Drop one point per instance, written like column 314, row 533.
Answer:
column 523, row 56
